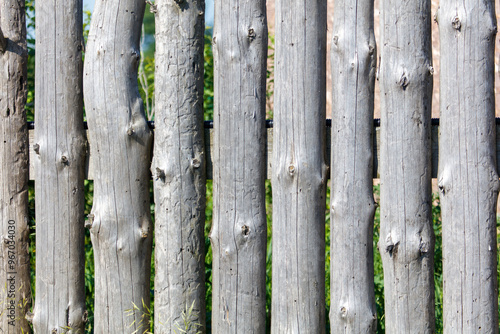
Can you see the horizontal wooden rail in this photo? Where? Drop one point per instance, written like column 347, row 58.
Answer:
column 269, row 124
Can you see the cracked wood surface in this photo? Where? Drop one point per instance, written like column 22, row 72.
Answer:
column 178, row 168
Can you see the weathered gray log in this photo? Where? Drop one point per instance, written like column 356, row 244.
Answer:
column 239, row 232
column 467, row 178
column 59, row 168
column 121, row 227
column 406, row 235
column 179, row 166
column 299, row 168
column 15, row 292
column 352, row 203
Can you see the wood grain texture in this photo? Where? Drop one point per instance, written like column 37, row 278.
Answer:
column 239, row 230
column 178, row 168
column 59, row 168
column 468, row 180
column 299, row 168
column 121, row 143
column 15, row 291
column 352, row 206
column 406, row 235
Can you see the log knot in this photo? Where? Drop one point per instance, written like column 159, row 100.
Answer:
column 245, row 230
column 391, row 246
column 444, row 185
column 291, row 169
column 251, row 34
column 180, row 3
column 3, row 42
column 325, row 171
column 159, row 174
column 145, row 228
column 195, row 163
column 89, row 222
column 456, row 23
column 29, row 317
column 6, row 240
column 371, row 50
column 85, row 317
column 423, row 247
column 431, row 70
column 152, row 7
column 404, row 80
column 343, row 311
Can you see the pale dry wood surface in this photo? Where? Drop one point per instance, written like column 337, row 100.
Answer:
column 239, row 228
column 60, row 148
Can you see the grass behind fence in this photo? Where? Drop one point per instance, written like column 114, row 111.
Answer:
column 378, row 279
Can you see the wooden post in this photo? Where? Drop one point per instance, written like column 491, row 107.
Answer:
column 299, row 168
column 406, row 235
column 60, row 145
column 120, row 141
column 15, row 288
column 467, row 178
column 239, row 220
column 352, row 205
column 179, row 166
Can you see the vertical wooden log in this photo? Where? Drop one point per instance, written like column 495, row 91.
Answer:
column 15, row 295
column 239, row 221
column 59, row 168
column 121, row 144
column 467, row 179
column 353, row 55
column 406, row 235
column 179, row 166
column 299, row 169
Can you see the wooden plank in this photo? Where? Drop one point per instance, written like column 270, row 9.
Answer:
column 61, row 148
column 468, row 178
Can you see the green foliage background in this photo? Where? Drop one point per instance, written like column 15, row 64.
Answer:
column 146, row 80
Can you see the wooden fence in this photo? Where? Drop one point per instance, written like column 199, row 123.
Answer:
column 298, row 154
